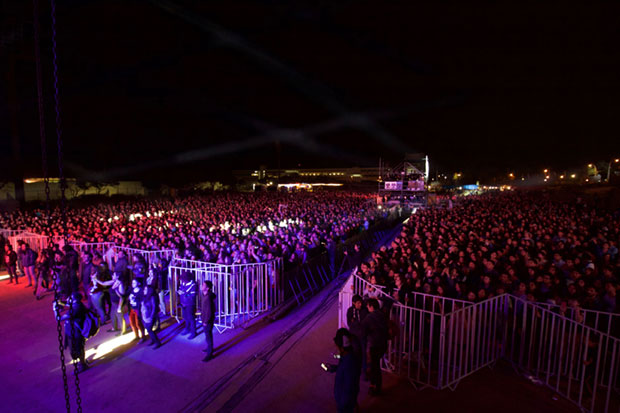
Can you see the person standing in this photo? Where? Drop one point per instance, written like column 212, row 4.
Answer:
column 86, row 270
column 43, row 273
column 28, row 260
column 10, row 260
column 375, row 332
column 96, row 294
column 187, row 294
column 119, row 292
column 135, row 296
column 161, row 274
column 347, row 382
column 148, row 308
column 208, row 316
column 74, row 323
column 355, row 316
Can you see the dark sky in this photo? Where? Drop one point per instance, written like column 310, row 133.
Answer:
column 186, row 89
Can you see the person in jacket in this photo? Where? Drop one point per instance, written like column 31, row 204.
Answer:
column 347, row 381
column 43, row 273
column 207, row 313
column 149, row 312
column 121, row 266
column 187, row 295
column 86, row 270
column 355, row 316
column 10, row 260
column 375, row 333
column 28, row 260
column 160, row 273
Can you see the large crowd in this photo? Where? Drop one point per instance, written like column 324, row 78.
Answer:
column 531, row 245
column 226, row 228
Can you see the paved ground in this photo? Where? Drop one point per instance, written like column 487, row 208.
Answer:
column 271, row 367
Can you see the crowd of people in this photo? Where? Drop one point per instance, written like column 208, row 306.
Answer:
column 226, row 228
column 531, row 245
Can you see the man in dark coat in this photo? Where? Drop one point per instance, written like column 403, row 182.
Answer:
column 10, row 260
column 355, row 316
column 86, row 270
column 347, row 382
column 375, row 332
column 208, row 316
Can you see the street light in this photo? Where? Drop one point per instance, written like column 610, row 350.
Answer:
column 546, row 171
column 573, row 176
column 561, row 176
column 609, row 168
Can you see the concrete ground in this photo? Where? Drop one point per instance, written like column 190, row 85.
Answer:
column 270, row 367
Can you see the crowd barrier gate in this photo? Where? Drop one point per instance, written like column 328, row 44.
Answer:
column 242, row 291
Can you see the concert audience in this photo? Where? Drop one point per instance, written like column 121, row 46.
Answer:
column 532, row 246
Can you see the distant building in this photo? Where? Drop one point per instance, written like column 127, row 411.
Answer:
column 34, row 189
column 305, row 175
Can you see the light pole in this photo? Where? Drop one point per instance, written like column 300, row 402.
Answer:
column 609, row 168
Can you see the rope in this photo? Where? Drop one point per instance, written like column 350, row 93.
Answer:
column 63, row 183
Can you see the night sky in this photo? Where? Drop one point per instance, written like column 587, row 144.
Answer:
column 184, row 90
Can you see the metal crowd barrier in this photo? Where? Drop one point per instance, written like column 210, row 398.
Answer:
column 242, row 291
column 608, row 323
column 35, row 241
column 148, row 255
column 93, row 247
column 436, row 348
column 576, row 361
column 6, row 233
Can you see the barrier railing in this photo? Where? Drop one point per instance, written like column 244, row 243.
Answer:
column 35, row 241
column 6, row 233
column 435, row 348
column 148, row 255
column 93, row 247
column 242, row 291
column 576, row 361
column 605, row 322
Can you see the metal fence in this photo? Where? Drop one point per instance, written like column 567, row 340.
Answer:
column 6, row 233
column 148, row 255
column 35, row 241
column 102, row 248
column 437, row 348
column 608, row 323
column 242, row 291
column 576, row 361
